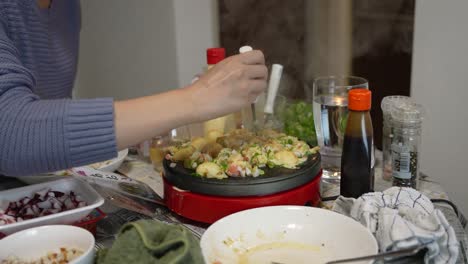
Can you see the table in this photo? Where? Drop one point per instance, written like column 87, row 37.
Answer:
column 136, row 168
column 428, row 187
column 142, row 170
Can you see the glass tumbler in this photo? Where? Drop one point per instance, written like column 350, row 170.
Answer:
column 159, row 144
column 330, row 108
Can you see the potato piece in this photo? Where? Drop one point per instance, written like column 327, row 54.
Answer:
column 172, row 149
column 225, row 153
column 286, row 159
column 184, row 153
column 233, row 142
column 301, row 149
column 259, row 160
column 273, row 146
column 257, row 140
column 212, row 149
column 270, row 133
column 235, row 157
column 314, row 150
column 255, row 155
column 213, row 135
column 210, row 170
column 188, row 164
column 199, row 143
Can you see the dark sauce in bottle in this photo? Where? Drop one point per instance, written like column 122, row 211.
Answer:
column 357, row 177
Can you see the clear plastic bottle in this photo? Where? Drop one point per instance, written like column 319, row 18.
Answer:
column 215, row 127
column 157, row 152
column 389, row 103
column 406, row 123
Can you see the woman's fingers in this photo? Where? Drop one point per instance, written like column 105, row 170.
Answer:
column 231, row 84
column 257, row 72
column 252, row 57
column 257, row 86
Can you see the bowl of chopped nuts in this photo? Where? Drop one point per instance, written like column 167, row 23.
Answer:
column 48, row 244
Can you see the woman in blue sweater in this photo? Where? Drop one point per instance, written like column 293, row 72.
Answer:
column 42, row 129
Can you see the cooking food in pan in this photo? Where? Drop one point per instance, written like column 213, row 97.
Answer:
column 240, row 153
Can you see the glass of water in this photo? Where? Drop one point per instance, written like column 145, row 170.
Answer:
column 330, row 107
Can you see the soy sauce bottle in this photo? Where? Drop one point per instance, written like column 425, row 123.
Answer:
column 356, row 174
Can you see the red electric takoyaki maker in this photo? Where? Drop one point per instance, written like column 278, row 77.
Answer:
column 207, row 200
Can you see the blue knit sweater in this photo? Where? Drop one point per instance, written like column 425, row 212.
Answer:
column 41, row 128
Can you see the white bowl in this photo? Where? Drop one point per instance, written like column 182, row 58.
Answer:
column 112, row 164
column 109, row 165
column 286, row 234
column 31, row 244
column 87, row 193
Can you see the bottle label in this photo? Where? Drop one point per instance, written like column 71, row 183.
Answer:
column 372, row 154
column 145, row 147
column 401, row 161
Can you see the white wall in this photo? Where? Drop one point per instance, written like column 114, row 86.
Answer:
column 196, row 29
column 440, row 83
column 135, row 48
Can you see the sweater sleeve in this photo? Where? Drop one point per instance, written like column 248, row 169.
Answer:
column 47, row 135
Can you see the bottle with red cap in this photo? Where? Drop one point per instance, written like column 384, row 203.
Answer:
column 212, row 129
column 356, row 174
column 214, row 55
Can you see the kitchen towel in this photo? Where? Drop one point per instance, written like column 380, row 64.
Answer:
column 150, row 241
column 401, row 218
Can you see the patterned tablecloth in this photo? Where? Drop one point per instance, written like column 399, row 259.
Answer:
column 141, row 170
column 425, row 185
column 121, row 210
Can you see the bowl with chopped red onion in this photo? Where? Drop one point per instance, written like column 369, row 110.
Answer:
column 64, row 201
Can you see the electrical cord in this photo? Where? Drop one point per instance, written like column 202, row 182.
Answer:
column 454, row 207
column 331, row 198
column 460, row 215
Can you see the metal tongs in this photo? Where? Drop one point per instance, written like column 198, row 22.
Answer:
column 269, row 120
column 396, row 255
column 411, row 251
column 245, row 49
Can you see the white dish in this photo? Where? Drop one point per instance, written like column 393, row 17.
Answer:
column 87, row 193
column 37, row 179
column 285, row 234
column 109, row 165
column 112, row 164
column 36, row 242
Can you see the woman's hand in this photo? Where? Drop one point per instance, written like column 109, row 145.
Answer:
column 230, row 85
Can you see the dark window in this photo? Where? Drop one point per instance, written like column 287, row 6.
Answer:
column 370, row 39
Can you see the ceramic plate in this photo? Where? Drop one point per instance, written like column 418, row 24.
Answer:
column 109, row 165
column 285, row 234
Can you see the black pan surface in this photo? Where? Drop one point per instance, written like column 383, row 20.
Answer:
column 274, row 180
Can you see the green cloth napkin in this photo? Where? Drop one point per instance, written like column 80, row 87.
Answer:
column 149, row 241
